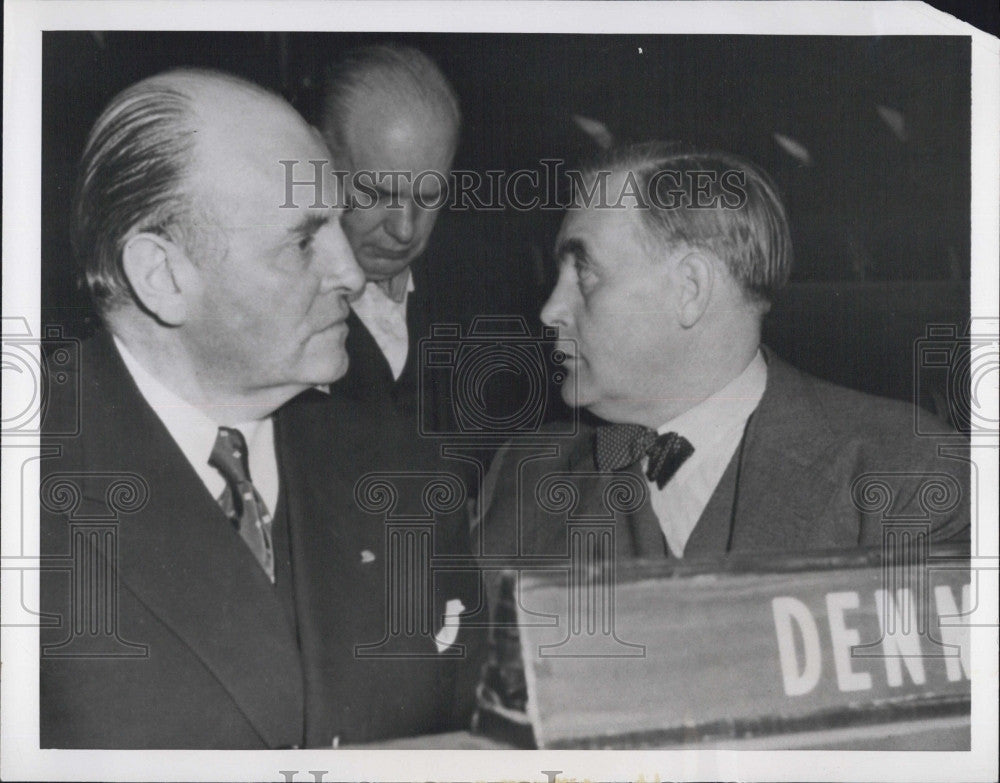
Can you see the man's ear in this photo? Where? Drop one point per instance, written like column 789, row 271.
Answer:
column 695, row 273
column 152, row 265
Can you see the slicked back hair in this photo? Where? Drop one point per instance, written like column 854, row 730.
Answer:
column 401, row 72
column 746, row 225
column 133, row 178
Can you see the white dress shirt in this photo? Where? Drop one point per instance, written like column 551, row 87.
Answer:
column 195, row 433
column 385, row 318
column 714, row 427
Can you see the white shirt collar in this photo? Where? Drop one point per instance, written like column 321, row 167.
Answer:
column 714, row 427
column 194, row 432
column 385, row 320
column 374, row 292
column 713, row 417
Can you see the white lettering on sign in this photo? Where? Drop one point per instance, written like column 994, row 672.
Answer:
column 791, row 614
column 844, row 639
column 800, row 654
column 954, row 631
column 900, row 636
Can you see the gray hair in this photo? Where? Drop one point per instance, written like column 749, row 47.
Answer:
column 389, row 69
column 133, row 177
column 747, row 228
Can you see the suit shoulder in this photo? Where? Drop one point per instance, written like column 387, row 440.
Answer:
column 848, row 411
column 868, row 430
column 859, row 408
column 551, row 445
column 369, row 435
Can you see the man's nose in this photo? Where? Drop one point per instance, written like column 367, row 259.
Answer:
column 339, row 269
column 400, row 221
column 556, row 310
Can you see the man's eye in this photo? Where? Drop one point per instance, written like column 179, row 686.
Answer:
column 306, row 243
column 585, row 274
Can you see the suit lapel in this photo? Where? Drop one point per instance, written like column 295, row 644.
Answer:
column 339, row 553
column 783, row 483
column 775, row 483
column 183, row 560
column 637, row 533
column 711, row 536
column 418, row 316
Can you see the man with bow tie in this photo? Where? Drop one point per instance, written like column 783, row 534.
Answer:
column 668, row 261
column 661, row 292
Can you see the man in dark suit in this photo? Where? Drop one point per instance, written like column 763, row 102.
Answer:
column 392, row 121
column 668, row 262
column 238, row 589
column 659, row 302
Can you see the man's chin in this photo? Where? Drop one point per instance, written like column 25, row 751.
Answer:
column 571, row 394
column 338, row 371
column 381, row 269
column 330, row 368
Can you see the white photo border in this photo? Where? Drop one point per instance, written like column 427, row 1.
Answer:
column 24, row 23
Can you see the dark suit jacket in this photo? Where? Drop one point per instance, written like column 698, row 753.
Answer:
column 461, row 277
column 208, row 653
column 369, row 377
column 788, row 488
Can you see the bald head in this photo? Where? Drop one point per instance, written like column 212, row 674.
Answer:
column 142, row 164
column 229, row 300
column 392, row 119
column 378, row 78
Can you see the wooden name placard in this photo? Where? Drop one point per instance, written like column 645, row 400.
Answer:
column 645, row 655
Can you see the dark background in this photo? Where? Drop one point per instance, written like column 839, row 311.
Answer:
column 979, row 13
column 880, row 214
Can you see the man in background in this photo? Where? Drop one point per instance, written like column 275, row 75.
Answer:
column 241, row 578
column 389, row 116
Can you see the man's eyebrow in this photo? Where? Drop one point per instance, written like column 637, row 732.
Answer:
column 574, row 248
column 310, row 224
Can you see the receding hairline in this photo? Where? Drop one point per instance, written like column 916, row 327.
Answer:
column 752, row 239
column 393, row 111
column 189, row 81
column 216, row 115
column 144, row 133
column 385, row 72
column 208, row 92
column 212, row 118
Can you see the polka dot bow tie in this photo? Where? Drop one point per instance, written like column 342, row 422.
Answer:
column 240, row 501
column 620, row 445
